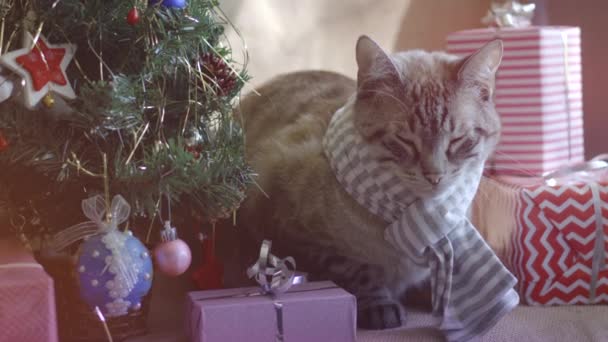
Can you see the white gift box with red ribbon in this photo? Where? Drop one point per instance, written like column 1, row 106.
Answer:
column 538, row 96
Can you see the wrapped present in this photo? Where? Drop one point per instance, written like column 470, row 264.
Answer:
column 538, row 92
column 552, row 232
column 317, row 311
column 276, row 311
column 27, row 300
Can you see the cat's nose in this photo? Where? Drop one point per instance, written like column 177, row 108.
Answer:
column 433, row 178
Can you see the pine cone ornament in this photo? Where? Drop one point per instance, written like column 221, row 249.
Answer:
column 218, row 74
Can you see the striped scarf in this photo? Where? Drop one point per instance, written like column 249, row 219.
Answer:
column 471, row 289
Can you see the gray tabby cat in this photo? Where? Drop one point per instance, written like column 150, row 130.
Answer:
column 428, row 116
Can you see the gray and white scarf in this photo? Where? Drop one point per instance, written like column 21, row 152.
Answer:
column 471, row 289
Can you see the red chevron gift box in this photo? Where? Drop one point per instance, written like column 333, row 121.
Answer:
column 538, row 96
column 551, row 232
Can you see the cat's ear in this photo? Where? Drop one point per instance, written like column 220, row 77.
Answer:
column 481, row 66
column 376, row 69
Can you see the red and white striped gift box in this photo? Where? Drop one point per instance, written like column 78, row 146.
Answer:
column 538, row 96
column 551, row 236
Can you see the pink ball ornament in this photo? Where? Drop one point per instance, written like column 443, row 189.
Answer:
column 172, row 256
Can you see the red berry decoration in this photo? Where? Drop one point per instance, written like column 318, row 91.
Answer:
column 194, row 142
column 133, row 16
column 195, row 151
column 218, row 74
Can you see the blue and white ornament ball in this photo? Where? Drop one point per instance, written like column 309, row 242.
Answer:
column 102, row 284
column 169, row 3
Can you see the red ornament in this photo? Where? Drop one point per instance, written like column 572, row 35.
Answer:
column 195, row 151
column 133, row 16
column 194, row 142
column 172, row 255
column 3, row 143
column 44, row 65
column 210, row 274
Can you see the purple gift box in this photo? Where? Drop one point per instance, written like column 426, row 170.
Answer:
column 316, row 311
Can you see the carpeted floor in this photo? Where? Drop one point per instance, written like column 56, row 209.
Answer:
column 525, row 324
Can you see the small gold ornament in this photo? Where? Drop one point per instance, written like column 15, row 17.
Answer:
column 48, row 100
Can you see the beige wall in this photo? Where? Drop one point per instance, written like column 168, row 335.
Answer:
column 287, row 35
column 427, row 22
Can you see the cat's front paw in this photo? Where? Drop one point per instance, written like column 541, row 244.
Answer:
column 377, row 317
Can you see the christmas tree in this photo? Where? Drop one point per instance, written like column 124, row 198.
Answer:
column 150, row 85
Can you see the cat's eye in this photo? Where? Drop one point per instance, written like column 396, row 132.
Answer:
column 400, row 150
column 408, row 143
column 395, row 149
column 456, row 140
column 466, row 146
column 461, row 147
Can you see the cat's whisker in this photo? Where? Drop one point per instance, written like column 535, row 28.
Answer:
column 521, row 171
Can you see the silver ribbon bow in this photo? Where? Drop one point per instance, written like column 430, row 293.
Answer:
column 274, row 275
column 509, row 14
column 584, row 171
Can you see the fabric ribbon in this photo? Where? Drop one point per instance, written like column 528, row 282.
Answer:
column 94, row 208
column 566, row 69
column 584, row 172
column 15, row 265
column 105, row 220
column 257, row 293
column 275, row 276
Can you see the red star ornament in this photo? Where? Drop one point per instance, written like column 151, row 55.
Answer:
column 43, row 69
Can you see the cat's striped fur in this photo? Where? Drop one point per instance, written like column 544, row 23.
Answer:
column 426, row 114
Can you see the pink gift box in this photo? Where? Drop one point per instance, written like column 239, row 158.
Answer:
column 538, row 96
column 318, row 311
column 27, row 299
